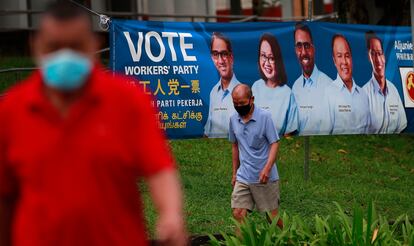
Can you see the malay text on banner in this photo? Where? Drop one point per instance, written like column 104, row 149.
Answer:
column 314, row 78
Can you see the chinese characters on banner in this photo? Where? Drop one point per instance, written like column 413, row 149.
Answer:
column 314, row 78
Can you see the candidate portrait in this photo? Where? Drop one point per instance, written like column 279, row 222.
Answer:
column 221, row 104
column 309, row 87
column 385, row 105
column 270, row 91
column 348, row 110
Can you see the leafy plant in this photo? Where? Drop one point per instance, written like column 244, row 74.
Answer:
column 337, row 229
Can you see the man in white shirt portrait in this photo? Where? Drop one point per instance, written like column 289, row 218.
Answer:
column 386, row 108
column 309, row 88
column 221, row 103
column 348, row 110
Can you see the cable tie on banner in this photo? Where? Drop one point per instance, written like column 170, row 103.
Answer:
column 104, row 20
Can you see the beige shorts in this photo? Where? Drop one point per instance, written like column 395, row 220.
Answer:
column 264, row 196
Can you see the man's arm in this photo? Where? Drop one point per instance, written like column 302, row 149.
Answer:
column 235, row 161
column 7, row 207
column 166, row 194
column 264, row 174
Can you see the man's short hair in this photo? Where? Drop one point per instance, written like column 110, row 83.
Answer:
column 219, row 35
column 64, row 10
column 340, row 36
column 281, row 76
column 371, row 35
column 303, row 27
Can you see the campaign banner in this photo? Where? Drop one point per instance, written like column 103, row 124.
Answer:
column 314, row 78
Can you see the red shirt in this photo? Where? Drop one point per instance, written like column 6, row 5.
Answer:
column 75, row 178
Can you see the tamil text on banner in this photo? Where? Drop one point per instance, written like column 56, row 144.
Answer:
column 314, row 78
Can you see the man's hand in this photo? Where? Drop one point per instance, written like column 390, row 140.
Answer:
column 166, row 194
column 171, row 230
column 264, row 175
column 235, row 161
column 233, row 180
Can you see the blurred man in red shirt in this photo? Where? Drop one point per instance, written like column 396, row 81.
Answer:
column 73, row 142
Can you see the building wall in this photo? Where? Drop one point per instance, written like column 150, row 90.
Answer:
column 169, row 7
column 180, row 7
column 192, row 8
column 33, row 20
column 13, row 21
column 286, row 10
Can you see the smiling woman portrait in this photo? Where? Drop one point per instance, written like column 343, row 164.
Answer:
column 271, row 92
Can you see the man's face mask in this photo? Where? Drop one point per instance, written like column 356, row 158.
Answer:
column 65, row 69
column 244, row 109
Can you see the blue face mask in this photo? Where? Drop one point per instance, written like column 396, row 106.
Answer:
column 65, row 70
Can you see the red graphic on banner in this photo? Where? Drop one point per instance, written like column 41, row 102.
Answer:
column 409, row 85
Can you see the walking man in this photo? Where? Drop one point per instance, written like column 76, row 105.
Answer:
column 254, row 150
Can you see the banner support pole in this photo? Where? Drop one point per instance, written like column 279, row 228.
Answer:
column 306, row 147
column 306, row 144
column 310, row 10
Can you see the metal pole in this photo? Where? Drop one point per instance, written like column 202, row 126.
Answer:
column 306, row 144
column 310, row 10
column 306, row 147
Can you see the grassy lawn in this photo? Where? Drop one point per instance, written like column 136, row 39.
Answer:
column 9, row 78
column 351, row 170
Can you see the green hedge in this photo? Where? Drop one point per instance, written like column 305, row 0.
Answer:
column 336, row 229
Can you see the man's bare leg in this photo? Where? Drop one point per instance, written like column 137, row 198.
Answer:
column 273, row 214
column 239, row 214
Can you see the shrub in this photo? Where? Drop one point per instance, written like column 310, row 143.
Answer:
column 335, row 229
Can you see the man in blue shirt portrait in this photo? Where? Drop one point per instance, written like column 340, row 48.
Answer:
column 386, row 108
column 348, row 108
column 221, row 106
column 255, row 145
column 309, row 88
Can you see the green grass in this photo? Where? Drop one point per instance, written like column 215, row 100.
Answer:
column 9, row 78
column 351, row 170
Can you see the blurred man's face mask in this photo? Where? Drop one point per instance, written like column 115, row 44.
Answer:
column 65, row 69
